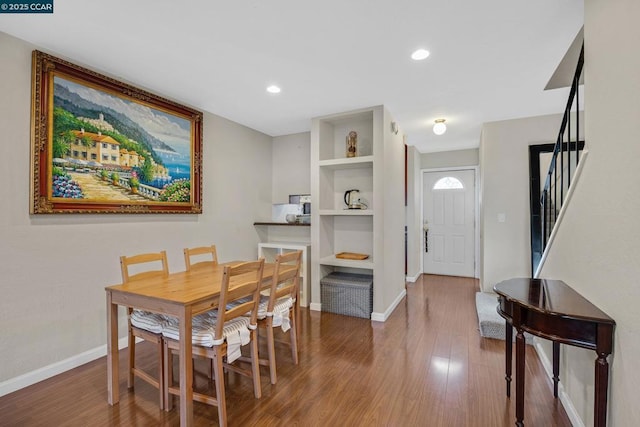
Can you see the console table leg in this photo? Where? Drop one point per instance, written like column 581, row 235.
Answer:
column 520, row 369
column 508, row 355
column 601, row 386
column 556, row 367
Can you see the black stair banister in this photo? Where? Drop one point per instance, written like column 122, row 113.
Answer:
column 547, row 202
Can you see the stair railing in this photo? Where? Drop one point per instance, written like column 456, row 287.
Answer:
column 564, row 163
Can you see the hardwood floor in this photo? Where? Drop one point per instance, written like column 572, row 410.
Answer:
column 425, row 366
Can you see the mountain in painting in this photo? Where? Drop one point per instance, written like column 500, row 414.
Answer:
column 80, row 107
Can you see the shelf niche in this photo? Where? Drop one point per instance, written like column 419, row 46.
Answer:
column 333, row 134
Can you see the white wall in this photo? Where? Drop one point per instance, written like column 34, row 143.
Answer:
column 596, row 249
column 414, row 229
column 393, row 286
column 54, row 268
column 291, row 159
column 449, row 159
column 504, row 188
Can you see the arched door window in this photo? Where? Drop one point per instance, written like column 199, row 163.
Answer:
column 448, row 183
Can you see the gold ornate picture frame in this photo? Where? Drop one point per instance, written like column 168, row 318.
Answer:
column 103, row 146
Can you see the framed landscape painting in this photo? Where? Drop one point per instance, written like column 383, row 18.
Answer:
column 103, row 146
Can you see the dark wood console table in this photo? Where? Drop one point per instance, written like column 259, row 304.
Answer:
column 550, row 309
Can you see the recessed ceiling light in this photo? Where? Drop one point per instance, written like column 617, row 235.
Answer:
column 273, row 89
column 420, row 54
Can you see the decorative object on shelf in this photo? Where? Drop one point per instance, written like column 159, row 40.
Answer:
column 93, row 144
column 353, row 201
column 439, row 128
column 351, row 255
column 352, row 144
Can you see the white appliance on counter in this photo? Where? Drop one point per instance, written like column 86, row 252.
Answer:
column 279, row 211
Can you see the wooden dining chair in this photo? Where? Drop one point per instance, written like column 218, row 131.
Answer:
column 218, row 335
column 199, row 257
column 143, row 324
column 281, row 308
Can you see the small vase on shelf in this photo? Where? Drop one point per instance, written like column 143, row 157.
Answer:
column 352, row 144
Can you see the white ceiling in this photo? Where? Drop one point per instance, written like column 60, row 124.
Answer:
column 490, row 60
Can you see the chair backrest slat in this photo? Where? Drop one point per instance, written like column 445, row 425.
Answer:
column 285, row 280
column 148, row 258
column 239, row 282
column 189, row 253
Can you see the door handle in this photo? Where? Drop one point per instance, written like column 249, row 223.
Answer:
column 426, row 240
column 425, row 227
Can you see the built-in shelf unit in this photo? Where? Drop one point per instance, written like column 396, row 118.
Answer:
column 377, row 171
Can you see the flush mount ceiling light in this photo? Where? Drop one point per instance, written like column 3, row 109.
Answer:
column 439, row 128
column 420, row 54
column 273, row 89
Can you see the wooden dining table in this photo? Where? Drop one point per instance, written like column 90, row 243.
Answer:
column 183, row 295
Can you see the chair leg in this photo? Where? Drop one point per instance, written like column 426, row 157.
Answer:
column 168, row 376
column 131, row 350
column 272, row 353
column 297, row 317
column 255, row 364
column 218, row 374
column 161, row 377
column 293, row 334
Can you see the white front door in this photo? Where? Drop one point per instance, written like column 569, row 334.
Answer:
column 448, row 241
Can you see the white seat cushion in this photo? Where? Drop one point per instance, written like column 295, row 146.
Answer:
column 152, row 322
column 280, row 312
column 235, row 333
column 280, row 307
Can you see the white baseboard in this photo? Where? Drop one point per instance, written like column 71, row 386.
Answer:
column 382, row 317
column 412, row 279
column 41, row 374
column 569, row 408
column 315, row 306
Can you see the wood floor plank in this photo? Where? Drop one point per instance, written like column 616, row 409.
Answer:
column 425, row 366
